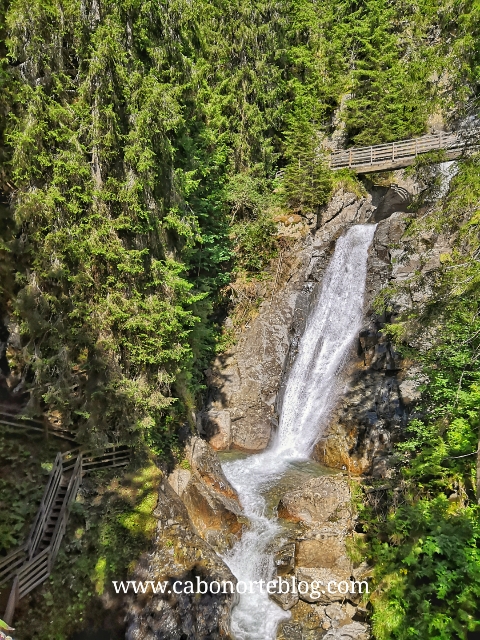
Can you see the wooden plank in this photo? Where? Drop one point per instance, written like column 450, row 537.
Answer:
column 10, row 564
column 34, row 579
column 33, row 573
column 12, row 603
column 105, row 462
column 43, row 512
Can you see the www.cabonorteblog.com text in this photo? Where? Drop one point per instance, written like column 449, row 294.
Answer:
column 315, row 589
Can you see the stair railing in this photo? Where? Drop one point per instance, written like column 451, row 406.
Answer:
column 44, row 509
column 28, row 566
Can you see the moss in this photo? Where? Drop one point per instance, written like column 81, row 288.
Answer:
column 99, row 575
column 348, row 181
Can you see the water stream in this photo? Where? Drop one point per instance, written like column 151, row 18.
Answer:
column 310, row 393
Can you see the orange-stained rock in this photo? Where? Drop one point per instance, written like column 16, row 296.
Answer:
column 211, row 502
column 321, row 502
column 215, row 426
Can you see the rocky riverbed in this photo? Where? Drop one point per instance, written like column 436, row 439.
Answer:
column 199, row 513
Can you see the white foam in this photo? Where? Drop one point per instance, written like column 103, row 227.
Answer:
column 310, row 394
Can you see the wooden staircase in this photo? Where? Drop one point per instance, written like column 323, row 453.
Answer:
column 31, row 564
column 53, row 515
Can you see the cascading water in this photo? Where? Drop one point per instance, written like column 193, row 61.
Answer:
column 310, row 394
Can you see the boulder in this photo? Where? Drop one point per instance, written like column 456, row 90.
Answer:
column 216, row 518
column 323, row 509
column 285, row 600
column 321, row 501
column 204, row 461
column 179, row 554
column 285, row 559
column 351, row 631
column 210, row 500
column 329, row 552
column 215, row 426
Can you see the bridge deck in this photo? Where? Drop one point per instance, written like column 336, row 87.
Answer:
column 396, row 155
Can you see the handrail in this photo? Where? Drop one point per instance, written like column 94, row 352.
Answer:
column 43, row 512
column 395, row 154
column 9, row 565
column 29, row 566
column 61, row 525
column 18, row 421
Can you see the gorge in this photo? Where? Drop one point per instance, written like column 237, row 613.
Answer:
column 234, row 252
column 310, row 393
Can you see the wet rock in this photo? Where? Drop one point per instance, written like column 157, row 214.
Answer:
column 321, row 501
column 285, row 560
column 216, row 519
column 352, row 631
column 285, row 600
column 305, row 623
column 345, row 208
column 210, row 500
column 337, row 614
column 204, row 461
column 215, row 426
column 289, row 631
column 179, row 554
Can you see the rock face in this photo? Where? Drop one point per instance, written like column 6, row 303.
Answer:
column 245, row 390
column 216, row 427
column 322, row 507
column 212, row 504
column 240, row 412
column 380, row 389
column 179, row 555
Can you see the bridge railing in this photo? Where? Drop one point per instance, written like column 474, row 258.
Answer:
column 394, row 151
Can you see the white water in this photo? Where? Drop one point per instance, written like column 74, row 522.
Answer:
column 310, row 394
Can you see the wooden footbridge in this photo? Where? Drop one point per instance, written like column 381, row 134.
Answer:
column 396, row 155
column 31, row 564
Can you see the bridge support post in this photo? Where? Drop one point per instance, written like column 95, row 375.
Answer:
column 12, row 603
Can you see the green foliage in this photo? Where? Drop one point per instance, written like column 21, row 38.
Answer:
column 307, row 182
column 429, row 573
column 148, row 144
column 22, row 480
column 255, row 243
column 424, row 538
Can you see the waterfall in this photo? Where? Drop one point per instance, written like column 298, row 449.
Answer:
column 310, row 394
